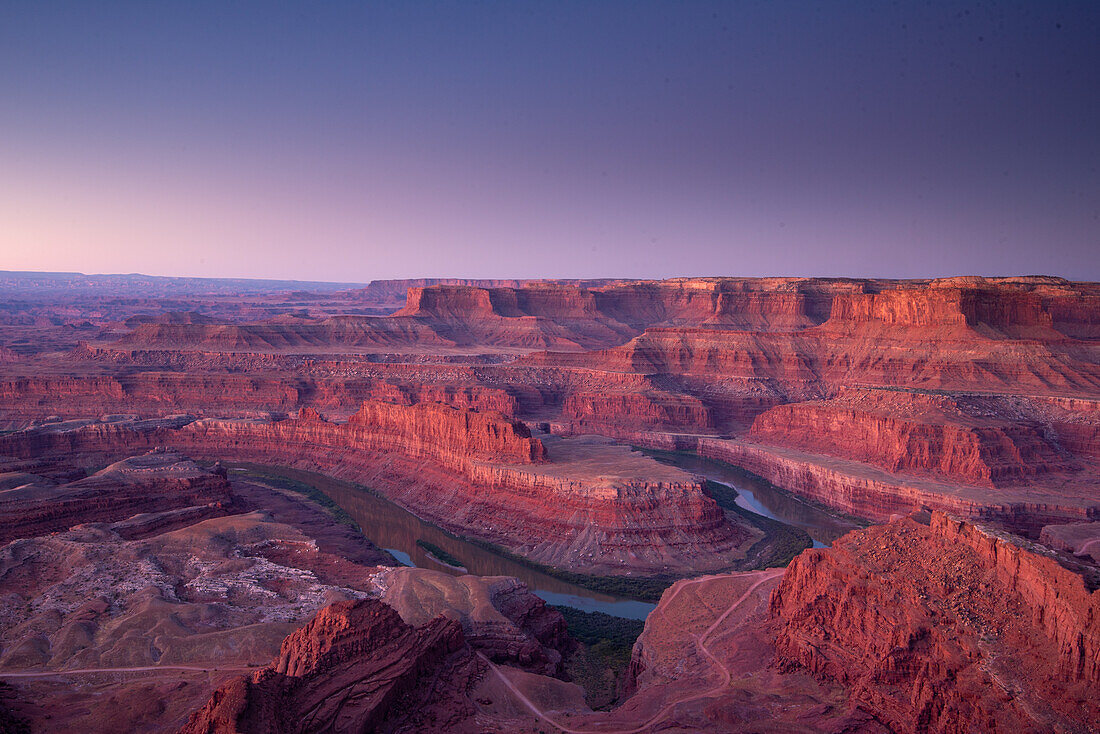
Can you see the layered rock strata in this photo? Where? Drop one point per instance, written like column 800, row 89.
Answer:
column 970, row 440
column 945, row 627
column 355, row 667
column 875, row 494
column 595, row 506
column 156, row 482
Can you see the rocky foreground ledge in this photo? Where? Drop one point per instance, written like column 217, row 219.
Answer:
column 924, row 624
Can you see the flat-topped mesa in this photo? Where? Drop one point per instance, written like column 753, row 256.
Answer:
column 469, row 303
column 949, row 310
column 543, row 316
column 439, row 431
column 629, row 307
column 764, row 304
column 451, row 301
column 940, row 626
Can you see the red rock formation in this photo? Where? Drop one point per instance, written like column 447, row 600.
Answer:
column 971, row 441
column 957, row 335
column 945, row 312
column 393, row 292
column 444, row 433
column 651, row 409
column 821, row 360
column 152, row 483
column 231, row 395
column 944, row 627
column 447, row 435
column 354, row 667
column 1074, row 314
column 717, row 354
column 595, row 507
column 875, row 494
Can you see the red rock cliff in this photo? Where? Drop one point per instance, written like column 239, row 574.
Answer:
column 433, row 429
column 945, row 627
column 355, row 666
column 964, row 440
column 597, row 507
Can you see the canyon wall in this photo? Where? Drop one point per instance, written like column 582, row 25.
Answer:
column 944, row 627
column 651, row 409
column 153, row 483
column 585, row 504
column 228, row 394
column 866, row 491
column 961, row 440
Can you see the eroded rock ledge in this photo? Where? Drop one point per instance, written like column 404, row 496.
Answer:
column 585, row 503
column 945, row 627
column 345, row 671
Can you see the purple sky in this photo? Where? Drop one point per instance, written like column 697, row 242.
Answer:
column 354, row 141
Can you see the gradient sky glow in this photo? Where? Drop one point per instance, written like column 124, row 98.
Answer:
column 353, row 141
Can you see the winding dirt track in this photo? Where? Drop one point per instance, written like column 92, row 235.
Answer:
column 1083, row 550
column 82, row 671
column 700, row 641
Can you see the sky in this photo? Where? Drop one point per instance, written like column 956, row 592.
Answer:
column 364, row 140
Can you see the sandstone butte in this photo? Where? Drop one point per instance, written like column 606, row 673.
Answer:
column 586, row 504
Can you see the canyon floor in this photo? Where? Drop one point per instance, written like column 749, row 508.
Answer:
column 209, row 499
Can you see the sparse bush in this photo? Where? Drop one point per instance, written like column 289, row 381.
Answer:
column 439, row 553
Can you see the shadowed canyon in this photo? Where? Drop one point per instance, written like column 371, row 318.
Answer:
column 599, row 506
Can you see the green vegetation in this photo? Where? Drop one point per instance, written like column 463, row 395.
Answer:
column 600, row 666
column 647, row 588
column 281, row 481
column 781, row 542
column 440, row 554
column 640, row 588
column 590, row 628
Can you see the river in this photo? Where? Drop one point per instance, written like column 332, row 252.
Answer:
column 760, row 496
column 396, row 530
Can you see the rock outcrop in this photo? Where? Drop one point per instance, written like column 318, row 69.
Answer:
column 156, row 482
column 945, row 627
column 650, row 409
column 592, row 506
column 355, row 667
column 498, row 615
column 193, row 387
column 443, row 433
column 970, row 440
